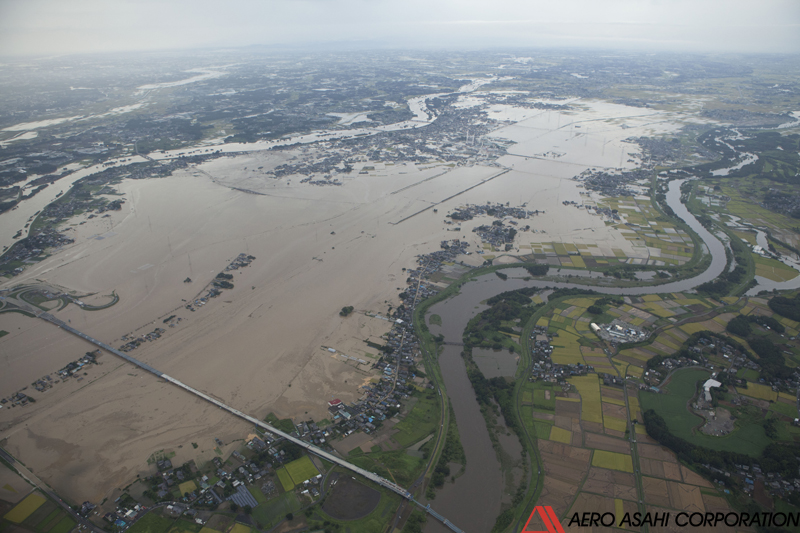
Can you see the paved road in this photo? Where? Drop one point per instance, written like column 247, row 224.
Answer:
column 309, row 447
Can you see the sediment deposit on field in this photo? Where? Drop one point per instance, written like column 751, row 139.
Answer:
column 258, row 347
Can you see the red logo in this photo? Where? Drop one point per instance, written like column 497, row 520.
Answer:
column 548, row 516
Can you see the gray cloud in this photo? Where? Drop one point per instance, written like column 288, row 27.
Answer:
column 67, row 26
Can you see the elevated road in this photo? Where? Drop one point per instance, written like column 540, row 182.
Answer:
column 308, row 447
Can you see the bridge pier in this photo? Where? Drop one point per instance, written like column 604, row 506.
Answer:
column 308, row 447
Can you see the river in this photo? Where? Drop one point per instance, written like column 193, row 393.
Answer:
column 14, row 220
column 473, row 502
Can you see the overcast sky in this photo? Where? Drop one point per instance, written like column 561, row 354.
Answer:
column 69, row 26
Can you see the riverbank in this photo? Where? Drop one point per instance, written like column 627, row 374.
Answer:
column 462, row 303
column 259, row 347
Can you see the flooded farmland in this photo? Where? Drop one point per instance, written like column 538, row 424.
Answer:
column 475, row 498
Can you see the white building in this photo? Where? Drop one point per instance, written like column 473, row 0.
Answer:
column 707, row 386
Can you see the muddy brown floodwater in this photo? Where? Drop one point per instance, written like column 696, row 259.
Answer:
column 473, row 502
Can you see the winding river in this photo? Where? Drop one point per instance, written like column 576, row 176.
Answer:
column 25, row 212
column 474, row 501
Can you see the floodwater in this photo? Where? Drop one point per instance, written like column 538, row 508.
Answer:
column 418, row 106
column 747, row 159
column 205, row 74
column 20, row 137
column 765, row 284
column 214, row 228
column 14, row 220
column 474, row 500
column 495, row 363
column 515, row 281
column 27, row 126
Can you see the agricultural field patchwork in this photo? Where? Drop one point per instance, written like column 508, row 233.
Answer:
column 285, row 479
column 612, row 461
column 599, row 419
column 25, row 508
column 773, row 270
column 301, row 469
column 759, row 391
column 589, row 390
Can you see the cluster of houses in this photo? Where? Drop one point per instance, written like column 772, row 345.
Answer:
column 28, row 249
column 124, row 514
column 738, row 360
column 498, row 211
column 611, row 185
column 307, row 431
column 55, row 213
column 497, row 234
column 329, row 164
column 18, row 399
column 381, row 400
column 610, row 380
column 226, row 481
column 779, row 201
column 242, row 260
column 607, row 212
column 443, row 140
column 157, row 169
column 134, row 342
column 246, row 473
column 222, row 281
column 699, row 355
column 200, row 301
column 653, row 377
column 49, row 237
column 168, row 479
column 433, row 261
column 219, row 283
column 543, row 367
column 45, row 383
column 89, row 358
column 326, row 181
column 455, row 247
column 311, row 486
column 113, row 205
column 752, row 477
